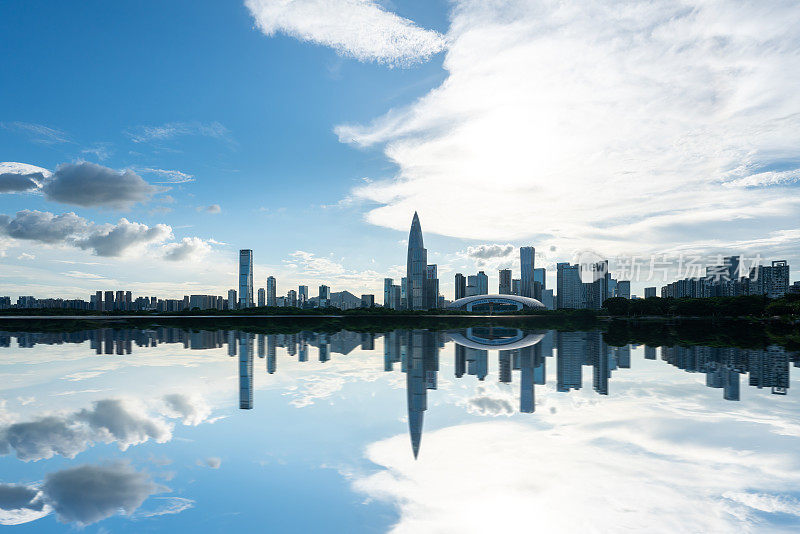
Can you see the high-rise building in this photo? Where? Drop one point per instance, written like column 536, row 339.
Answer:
column 302, row 296
column 396, row 298
column 569, row 288
column 98, row 298
column 108, row 304
column 245, row 278
column 515, row 286
column 119, row 301
column 232, row 302
column 367, row 301
column 324, row 296
column 291, row 298
column 387, row 292
column 597, row 291
column 272, row 291
column 504, row 287
column 540, row 275
column 128, row 300
column 624, row 289
column 527, row 258
column 482, row 283
column 404, row 293
column 547, row 299
column 431, row 287
column 416, row 267
column 649, row 292
column 262, row 297
column 732, row 271
column 461, row 286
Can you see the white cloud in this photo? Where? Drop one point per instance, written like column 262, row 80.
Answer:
column 38, row 133
column 361, row 29
column 213, row 209
column 495, row 476
column 186, row 249
column 171, row 130
column 169, row 176
column 110, row 240
column 605, row 124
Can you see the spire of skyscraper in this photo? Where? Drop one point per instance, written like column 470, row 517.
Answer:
column 416, row 267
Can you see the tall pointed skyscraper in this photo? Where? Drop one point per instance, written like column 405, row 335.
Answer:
column 416, row 267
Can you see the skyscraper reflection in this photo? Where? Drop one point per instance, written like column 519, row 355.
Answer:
column 418, row 351
column 245, row 371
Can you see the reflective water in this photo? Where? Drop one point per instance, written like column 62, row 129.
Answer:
column 465, row 430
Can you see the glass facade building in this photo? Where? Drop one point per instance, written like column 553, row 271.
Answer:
column 245, row 278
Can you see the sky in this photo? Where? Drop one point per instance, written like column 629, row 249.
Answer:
column 142, row 144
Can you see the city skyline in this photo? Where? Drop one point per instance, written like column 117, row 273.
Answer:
column 133, row 185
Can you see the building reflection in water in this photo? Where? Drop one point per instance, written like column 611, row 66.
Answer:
column 417, row 353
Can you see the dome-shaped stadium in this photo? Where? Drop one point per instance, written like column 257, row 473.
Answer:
column 496, row 304
column 495, row 338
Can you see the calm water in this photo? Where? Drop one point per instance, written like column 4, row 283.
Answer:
column 467, row 430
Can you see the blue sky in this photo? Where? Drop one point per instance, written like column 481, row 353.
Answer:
column 311, row 131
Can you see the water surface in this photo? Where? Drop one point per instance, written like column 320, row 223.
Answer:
column 468, row 430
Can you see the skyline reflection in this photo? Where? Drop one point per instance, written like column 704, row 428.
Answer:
column 417, row 352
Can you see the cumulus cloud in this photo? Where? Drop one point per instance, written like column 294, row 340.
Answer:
column 361, row 29
column 89, row 493
column 102, row 239
column 43, row 226
column 212, row 462
column 486, row 252
column 171, row 130
column 186, row 249
column 84, row 184
column 16, row 183
column 84, row 495
column 91, row 185
column 20, row 504
column 192, row 410
column 108, row 421
column 492, row 406
column 213, row 208
column 573, row 123
column 113, row 240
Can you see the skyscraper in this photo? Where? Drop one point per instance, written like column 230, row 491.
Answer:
column 272, row 291
column 387, row 292
column 232, row 299
column 302, row 296
column 98, row 297
column 461, row 286
column 416, row 267
column 505, row 282
column 624, row 289
column 431, row 287
column 324, row 296
column 482, row 283
column 245, row 371
column 527, row 257
column 262, row 297
column 245, row 278
column 570, row 291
